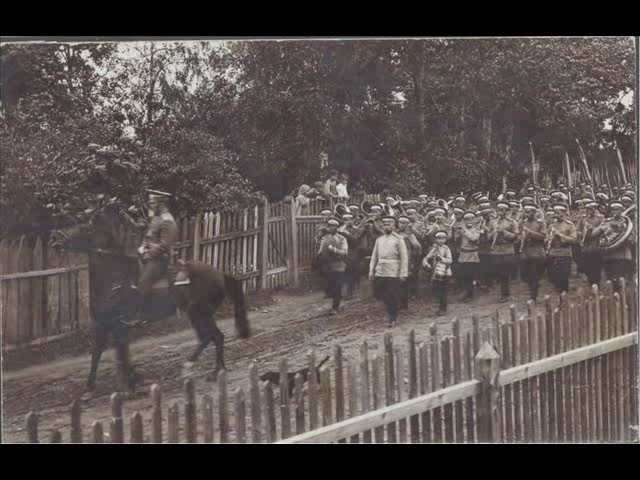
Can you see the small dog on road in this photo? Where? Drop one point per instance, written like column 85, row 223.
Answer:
column 274, row 377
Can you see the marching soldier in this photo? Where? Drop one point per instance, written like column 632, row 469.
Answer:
column 455, row 234
column 333, row 254
column 502, row 231
column 468, row 259
column 560, row 236
column 485, row 272
column 156, row 249
column 353, row 234
column 532, row 235
column 591, row 254
column 617, row 262
column 414, row 252
column 389, row 267
column 439, row 261
column 321, row 231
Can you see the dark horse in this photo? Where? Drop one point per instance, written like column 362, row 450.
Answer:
column 114, row 299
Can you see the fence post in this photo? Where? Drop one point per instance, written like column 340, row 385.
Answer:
column 117, row 426
column 76, row 422
column 293, row 271
column 156, row 428
column 196, row 238
column 264, row 258
column 487, row 404
column 32, row 427
column 190, row 427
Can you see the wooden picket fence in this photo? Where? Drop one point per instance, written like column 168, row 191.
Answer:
column 45, row 295
column 564, row 374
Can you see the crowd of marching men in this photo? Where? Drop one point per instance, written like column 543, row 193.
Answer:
column 467, row 241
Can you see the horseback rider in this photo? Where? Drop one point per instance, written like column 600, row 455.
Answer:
column 156, row 249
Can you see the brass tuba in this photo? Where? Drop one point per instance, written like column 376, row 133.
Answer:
column 612, row 239
column 340, row 209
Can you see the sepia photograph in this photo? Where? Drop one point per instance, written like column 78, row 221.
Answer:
column 392, row 240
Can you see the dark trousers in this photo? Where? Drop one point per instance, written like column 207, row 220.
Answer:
column 485, row 274
column 387, row 289
column 532, row 269
column 502, row 268
column 591, row 266
column 466, row 274
column 439, row 289
column 616, row 268
column 559, row 269
column 334, row 287
column 352, row 274
column 151, row 272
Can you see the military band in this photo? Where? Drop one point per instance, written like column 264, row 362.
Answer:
column 477, row 241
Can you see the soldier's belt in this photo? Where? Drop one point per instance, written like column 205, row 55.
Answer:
column 468, row 250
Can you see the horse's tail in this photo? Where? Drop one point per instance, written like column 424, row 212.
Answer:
column 234, row 289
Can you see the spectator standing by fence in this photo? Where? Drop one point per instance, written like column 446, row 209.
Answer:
column 302, row 200
column 341, row 188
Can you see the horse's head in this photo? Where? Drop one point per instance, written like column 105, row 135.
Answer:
column 98, row 233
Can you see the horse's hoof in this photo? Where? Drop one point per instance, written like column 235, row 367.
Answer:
column 87, row 395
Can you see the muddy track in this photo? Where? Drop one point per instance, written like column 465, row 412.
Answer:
column 289, row 328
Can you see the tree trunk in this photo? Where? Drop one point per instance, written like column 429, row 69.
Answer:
column 152, row 83
column 487, row 130
column 418, row 85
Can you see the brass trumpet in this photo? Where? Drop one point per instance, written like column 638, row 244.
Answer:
column 549, row 240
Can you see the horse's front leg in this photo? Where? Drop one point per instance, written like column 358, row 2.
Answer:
column 218, row 341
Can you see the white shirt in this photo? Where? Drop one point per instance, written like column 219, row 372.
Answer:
column 342, row 190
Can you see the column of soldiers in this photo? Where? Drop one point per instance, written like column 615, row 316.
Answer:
column 475, row 242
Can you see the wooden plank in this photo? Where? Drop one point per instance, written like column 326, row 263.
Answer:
column 240, row 416
column 487, row 371
column 207, row 419
column 256, row 411
column 117, row 426
column 173, row 425
column 217, row 225
column 12, row 305
column 414, row 421
column 270, row 412
column 364, row 386
column 190, row 425
column 24, row 292
column 223, row 414
column 620, row 399
column 256, row 236
column 352, row 385
column 426, row 388
column 390, row 377
column 32, row 427
column 447, row 411
column 437, row 385
column 517, row 386
column 75, row 412
column 378, row 394
column 285, row 413
column 475, row 324
column 526, row 384
column 56, row 436
column 313, row 392
column 137, row 429
column 400, row 379
column 469, row 411
column 570, row 403
column 293, row 227
column 325, row 395
column 298, row 396
column 391, row 413
column 264, row 245
column 156, row 414
column 37, row 291
column 97, row 432
column 339, row 382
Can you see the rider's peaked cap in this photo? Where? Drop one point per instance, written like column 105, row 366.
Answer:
column 158, row 194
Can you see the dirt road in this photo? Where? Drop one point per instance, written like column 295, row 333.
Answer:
column 289, row 327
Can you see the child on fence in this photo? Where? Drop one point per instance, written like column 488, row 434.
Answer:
column 439, row 260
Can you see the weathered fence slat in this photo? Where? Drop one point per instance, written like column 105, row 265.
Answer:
column 32, row 427
column 312, row 385
column 378, row 389
column 285, row 413
column 173, row 423
column 364, row 385
column 137, row 434
column 207, row 419
column 447, row 411
column 223, row 406
column 325, row 395
column 156, row 415
column 352, row 384
column 400, row 378
column 256, row 411
column 97, row 433
column 298, row 396
column 240, row 416
column 270, row 411
column 76, row 421
column 190, row 425
column 117, row 425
